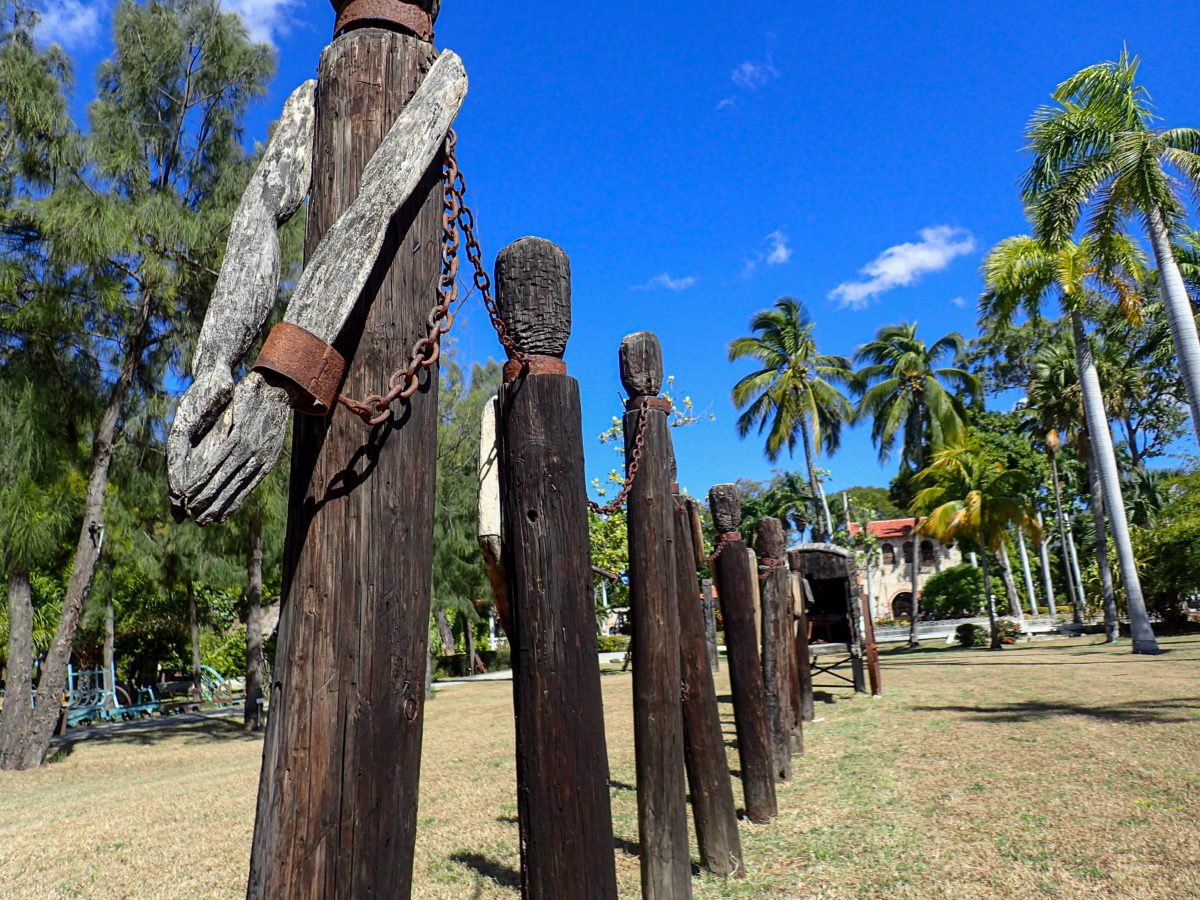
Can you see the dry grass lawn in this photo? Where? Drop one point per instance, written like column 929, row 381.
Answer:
column 1069, row 770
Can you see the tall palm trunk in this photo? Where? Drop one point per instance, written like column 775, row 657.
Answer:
column 1112, row 626
column 1010, row 587
column 18, row 695
column 29, row 748
column 1180, row 315
column 814, row 483
column 1065, row 543
column 252, row 714
column 1102, row 449
column 915, row 581
column 1047, row 581
column 1082, row 597
column 194, row 627
column 1033, row 609
column 991, row 601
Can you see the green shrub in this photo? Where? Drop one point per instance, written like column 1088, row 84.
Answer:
column 953, row 592
column 612, row 643
column 1008, row 631
column 971, row 635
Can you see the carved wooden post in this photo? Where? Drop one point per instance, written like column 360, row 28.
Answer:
column 657, row 713
column 704, row 746
column 710, row 624
column 775, row 592
column 562, row 766
column 733, row 576
column 803, row 658
column 337, row 799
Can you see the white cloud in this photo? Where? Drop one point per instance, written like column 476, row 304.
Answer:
column 779, row 252
column 727, row 103
column 904, row 264
column 266, row 20
column 751, row 75
column 666, row 282
column 71, row 23
column 959, row 302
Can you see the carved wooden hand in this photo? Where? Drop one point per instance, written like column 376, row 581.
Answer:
column 226, row 438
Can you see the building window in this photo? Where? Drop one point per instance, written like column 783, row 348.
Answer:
column 908, row 557
column 889, row 554
column 927, row 555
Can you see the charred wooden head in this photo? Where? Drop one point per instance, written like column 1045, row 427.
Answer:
column 533, row 296
column 771, row 541
column 641, row 364
column 725, row 501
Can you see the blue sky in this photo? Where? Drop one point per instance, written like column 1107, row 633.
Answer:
column 697, row 163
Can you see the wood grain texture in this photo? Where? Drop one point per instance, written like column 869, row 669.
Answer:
column 533, row 295
column 704, row 742
column 245, row 435
column 641, row 364
column 733, row 574
column 710, row 624
column 776, row 591
column 657, row 711
column 337, row 799
column 565, row 818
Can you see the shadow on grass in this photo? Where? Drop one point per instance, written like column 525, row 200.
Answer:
column 190, row 728
column 503, row 875
column 1142, row 712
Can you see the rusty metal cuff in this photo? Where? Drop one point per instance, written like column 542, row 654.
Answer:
column 305, row 366
column 412, row 17
column 534, row 364
column 659, row 403
column 728, row 536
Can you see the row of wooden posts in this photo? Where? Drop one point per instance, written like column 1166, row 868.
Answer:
column 337, row 803
column 562, row 767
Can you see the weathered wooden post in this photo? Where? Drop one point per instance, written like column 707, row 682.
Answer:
column 733, row 576
column 337, row 799
column 653, row 601
column 562, row 766
column 803, row 658
column 710, row 624
column 704, row 743
column 775, row 592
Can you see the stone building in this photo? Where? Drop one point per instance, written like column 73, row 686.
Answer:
column 891, row 565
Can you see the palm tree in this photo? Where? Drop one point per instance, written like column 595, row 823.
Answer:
column 968, row 493
column 793, row 396
column 1056, row 395
column 903, row 389
column 1019, row 273
column 1097, row 146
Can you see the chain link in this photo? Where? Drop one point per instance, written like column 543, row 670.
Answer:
column 635, row 461
column 458, row 224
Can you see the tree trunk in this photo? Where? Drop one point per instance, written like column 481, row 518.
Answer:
column 1047, row 582
column 814, row 483
column 110, row 673
column 1181, row 317
column 1010, row 587
column 1072, row 584
column 445, row 632
column 1082, row 596
column 337, row 800
column 29, row 747
column 1033, row 609
column 991, row 601
column 915, row 580
column 18, row 693
column 252, row 713
column 194, row 628
column 1112, row 625
column 1106, row 460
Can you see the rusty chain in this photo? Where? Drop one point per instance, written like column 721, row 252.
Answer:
column 457, row 221
column 458, row 228
column 767, row 566
column 635, row 461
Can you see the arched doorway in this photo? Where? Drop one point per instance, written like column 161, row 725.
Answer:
column 902, row 605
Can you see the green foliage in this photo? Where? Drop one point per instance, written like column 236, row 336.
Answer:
column 903, row 389
column 953, row 592
column 612, row 643
column 224, row 651
column 969, row 634
column 786, row 497
column 609, row 536
column 1169, row 564
column 1007, row 630
column 796, row 386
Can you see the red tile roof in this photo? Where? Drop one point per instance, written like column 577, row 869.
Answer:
column 887, row 528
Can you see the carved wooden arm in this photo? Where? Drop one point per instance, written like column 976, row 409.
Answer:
column 225, row 438
column 489, row 526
